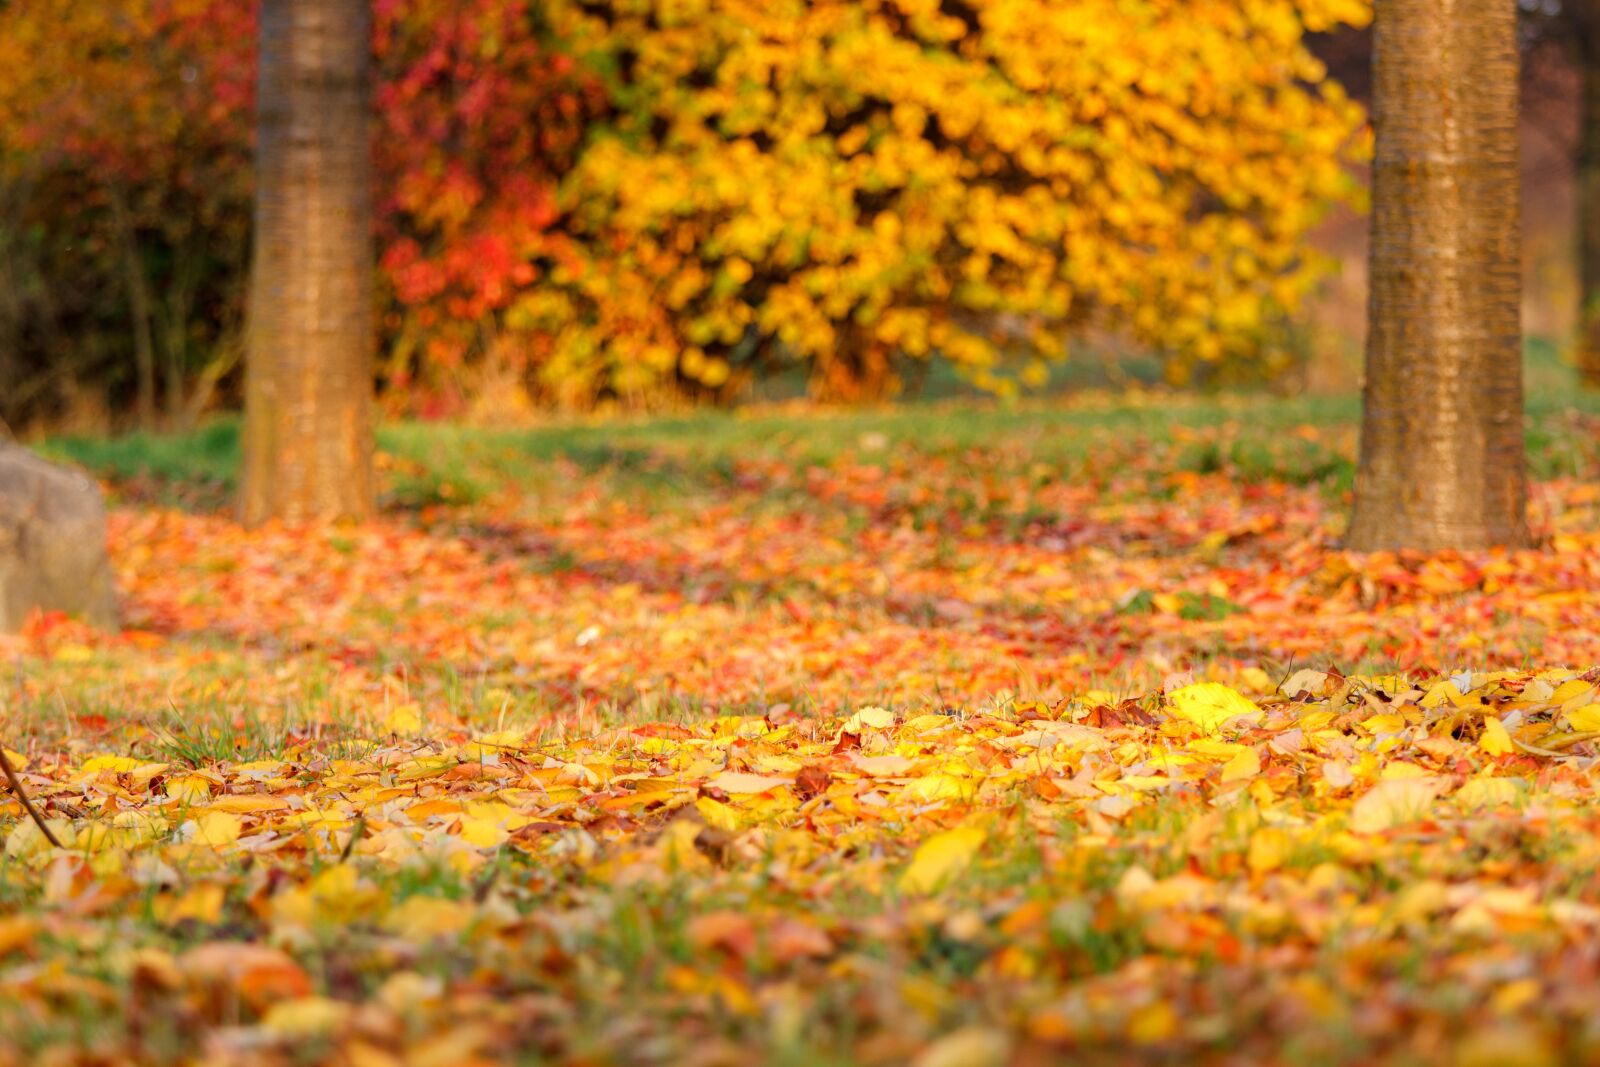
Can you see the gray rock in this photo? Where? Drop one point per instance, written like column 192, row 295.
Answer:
column 52, row 543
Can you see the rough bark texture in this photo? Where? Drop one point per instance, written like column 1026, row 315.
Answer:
column 308, row 402
column 1584, row 20
column 1442, row 462
column 52, row 543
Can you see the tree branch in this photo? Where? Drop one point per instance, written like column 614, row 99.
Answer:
column 22, row 795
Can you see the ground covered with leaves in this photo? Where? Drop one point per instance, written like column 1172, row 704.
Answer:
column 956, row 738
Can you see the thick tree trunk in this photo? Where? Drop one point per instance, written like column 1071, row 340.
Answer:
column 1442, row 463
column 308, row 394
column 1585, row 19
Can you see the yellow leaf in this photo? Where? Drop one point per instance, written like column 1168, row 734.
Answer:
column 1269, row 847
column 430, row 917
column 1404, row 769
column 188, row 788
column 482, row 832
column 973, row 1046
column 114, row 764
column 718, row 814
column 873, row 717
column 1489, row 792
column 216, row 828
column 425, row 767
column 1495, row 740
column 1210, row 704
column 246, row 804
column 403, row 719
column 1153, row 1024
column 488, row 823
column 1245, row 765
column 1256, row 679
column 1516, row 995
column 305, row 1017
column 739, row 782
column 1214, row 749
column 25, row 839
column 202, row 904
column 1305, row 680
column 940, row 787
column 1571, row 690
column 427, row 809
column 1445, row 692
column 142, row 774
column 1392, row 802
column 1387, row 723
column 1585, row 718
column 455, row 1046
column 940, row 858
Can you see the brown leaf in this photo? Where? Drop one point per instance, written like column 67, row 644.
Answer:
column 790, row 939
column 716, row 845
column 733, row 932
column 811, row 780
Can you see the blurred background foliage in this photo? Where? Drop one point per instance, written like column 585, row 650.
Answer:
column 654, row 203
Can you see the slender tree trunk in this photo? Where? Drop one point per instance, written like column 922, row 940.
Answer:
column 1584, row 16
column 177, row 307
column 308, row 392
column 1442, row 461
column 144, row 349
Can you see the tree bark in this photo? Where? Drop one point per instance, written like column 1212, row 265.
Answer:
column 1584, row 19
column 308, row 392
column 1442, row 456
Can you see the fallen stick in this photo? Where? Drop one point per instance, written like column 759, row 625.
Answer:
column 22, row 795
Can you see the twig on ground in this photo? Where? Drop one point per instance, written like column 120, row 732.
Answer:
column 22, row 795
column 356, row 832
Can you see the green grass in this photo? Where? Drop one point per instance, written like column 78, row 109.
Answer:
column 1248, row 434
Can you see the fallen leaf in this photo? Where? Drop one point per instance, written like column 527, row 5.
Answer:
column 940, row 858
column 1495, row 740
column 214, row 828
column 1244, row 766
column 741, row 782
column 305, row 1017
column 869, row 718
column 973, row 1046
column 1393, row 802
column 1210, row 704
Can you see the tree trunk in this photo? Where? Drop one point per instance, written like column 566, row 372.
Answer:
column 1442, row 461
column 1584, row 16
column 144, row 351
column 856, row 370
column 308, row 376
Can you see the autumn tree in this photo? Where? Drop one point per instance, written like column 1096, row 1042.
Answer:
column 127, row 185
column 308, row 397
column 124, row 200
column 1442, row 461
column 643, row 201
column 1579, row 25
column 846, row 185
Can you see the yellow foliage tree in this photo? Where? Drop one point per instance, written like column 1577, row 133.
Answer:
column 855, row 182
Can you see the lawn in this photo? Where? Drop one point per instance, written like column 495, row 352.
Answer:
column 950, row 734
